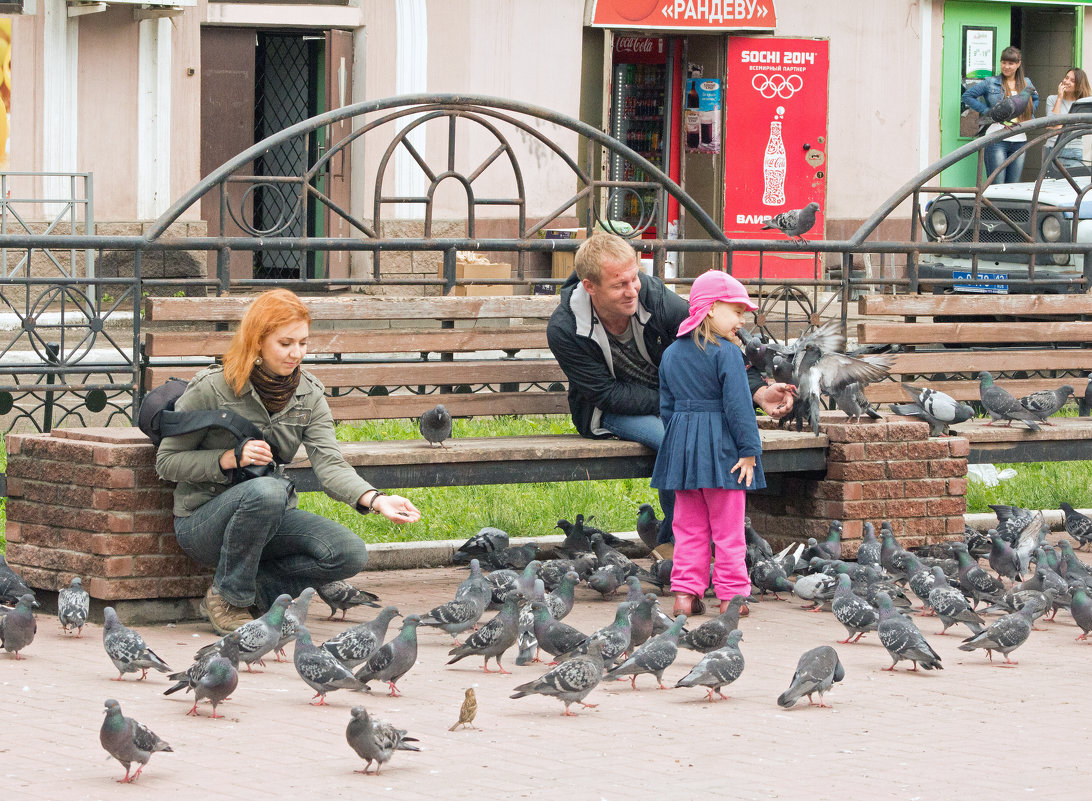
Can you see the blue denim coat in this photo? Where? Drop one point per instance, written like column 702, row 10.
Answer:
column 990, row 88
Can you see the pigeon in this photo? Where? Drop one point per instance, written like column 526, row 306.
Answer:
column 794, row 223
column 641, row 621
column 127, row 649
column 375, row 740
column 1003, row 559
column 217, row 682
column 852, row 611
column 902, row 639
column 458, row 615
column 468, row 711
column 492, row 639
column 475, row 584
column 1005, row 634
column 1077, row 525
column 553, row 636
column 893, row 557
column 950, row 605
column 73, row 605
column 1006, row 110
column 393, row 660
column 1011, row 520
column 816, row 672
column 654, row 657
column 648, row 527
column 753, row 538
column 1046, row 402
column 1084, row 404
column 717, row 668
column 832, row 547
column 818, row 588
column 868, row 553
column 1081, row 609
column 850, row 398
column 294, row 617
column 435, row 425
column 484, row 544
column 920, row 580
column 939, row 410
column 570, row 682
column 354, row 645
column 320, row 669
column 128, row 741
column 606, row 580
column 713, row 634
column 614, row 638
column 769, row 576
column 973, row 580
column 12, row 586
column 341, row 595
column 18, row 627
column 1001, row 405
column 192, row 676
column 258, row 637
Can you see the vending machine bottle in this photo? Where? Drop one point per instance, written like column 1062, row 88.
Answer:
column 773, row 168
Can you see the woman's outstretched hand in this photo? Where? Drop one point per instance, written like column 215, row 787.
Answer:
column 396, row 509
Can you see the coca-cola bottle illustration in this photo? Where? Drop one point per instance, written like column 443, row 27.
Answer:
column 773, row 168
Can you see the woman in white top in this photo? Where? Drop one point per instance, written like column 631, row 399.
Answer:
column 1073, row 87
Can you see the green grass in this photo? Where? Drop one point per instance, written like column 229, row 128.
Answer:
column 1037, row 485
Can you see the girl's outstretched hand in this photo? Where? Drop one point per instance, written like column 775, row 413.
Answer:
column 746, row 468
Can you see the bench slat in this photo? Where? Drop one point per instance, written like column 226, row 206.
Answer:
column 970, row 305
column 888, row 391
column 359, row 307
column 961, row 361
column 973, row 333
column 179, row 343
column 388, row 407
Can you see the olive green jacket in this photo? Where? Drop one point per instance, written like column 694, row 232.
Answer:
column 193, row 460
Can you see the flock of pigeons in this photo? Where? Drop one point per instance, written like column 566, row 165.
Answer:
column 532, row 588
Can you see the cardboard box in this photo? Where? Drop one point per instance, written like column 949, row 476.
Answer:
column 562, row 263
column 482, row 271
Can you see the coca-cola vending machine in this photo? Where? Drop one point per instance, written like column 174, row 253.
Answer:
column 776, row 145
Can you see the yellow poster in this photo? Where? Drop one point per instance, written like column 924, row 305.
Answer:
column 5, row 90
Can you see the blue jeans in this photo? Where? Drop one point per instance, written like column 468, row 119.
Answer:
column 647, row 429
column 996, row 153
column 261, row 548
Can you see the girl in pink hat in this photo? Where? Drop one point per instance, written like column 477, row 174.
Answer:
column 710, row 453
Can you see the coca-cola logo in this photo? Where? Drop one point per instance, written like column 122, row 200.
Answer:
column 636, row 44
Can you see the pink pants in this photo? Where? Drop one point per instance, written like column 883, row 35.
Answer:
column 704, row 517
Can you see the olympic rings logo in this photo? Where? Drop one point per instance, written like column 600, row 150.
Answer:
column 770, row 86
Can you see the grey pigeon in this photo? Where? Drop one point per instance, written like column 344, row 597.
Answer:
column 12, row 586
column 375, row 740
column 893, row 557
column 73, row 605
column 18, row 627
column 492, row 639
column 832, row 546
column 191, row 677
column 356, row 644
column 648, row 527
column 475, row 584
column 553, row 636
column 902, row 639
column 435, row 425
column 320, row 669
column 217, row 682
column 939, row 410
column 816, row 671
column 127, row 649
column 606, row 580
column 818, row 588
column 393, row 660
column 457, row 615
column 973, row 580
column 850, row 398
column 769, row 576
column 258, row 637
column 1081, row 609
column 1046, row 402
column 342, row 595
column 614, row 638
column 128, row 741
column 713, row 634
column 1084, row 404
column 641, row 621
column 868, row 553
column 794, row 223
column 1001, row 405
column 484, row 544
column 752, row 537
column 852, row 611
column 1077, row 525
column 294, row 617
column 1008, row 108
column 717, row 668
column 1005, row 634
column 654, row 657
column 570, row 682
column 950, row 605
column 1003, row 559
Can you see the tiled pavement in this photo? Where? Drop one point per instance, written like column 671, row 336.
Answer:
column 970, row 731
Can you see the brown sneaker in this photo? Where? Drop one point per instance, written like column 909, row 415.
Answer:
column 224, row 617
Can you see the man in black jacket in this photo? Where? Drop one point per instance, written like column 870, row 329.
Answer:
column 608, row 333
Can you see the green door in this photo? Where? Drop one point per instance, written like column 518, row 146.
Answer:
column 963, row 22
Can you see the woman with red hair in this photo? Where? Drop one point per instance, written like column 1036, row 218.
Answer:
column 250, row 529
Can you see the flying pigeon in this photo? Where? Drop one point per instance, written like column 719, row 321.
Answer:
column 717, row 668
column 127, row 649
column 18, row 627
column 794, row 223
column 939, row 410
column 570, row 682
column 1001, row 405
column 816, row 671
column 128, row 741
column 341, row 595
column 435, row 425
column 1046, row 402
column 393, row 660
column 354, row 645
column 320, row 669
column 374, row 740
column 902, row 639
column 73, row 605
column 468, row 711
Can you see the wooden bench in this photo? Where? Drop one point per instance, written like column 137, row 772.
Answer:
column 385, row 357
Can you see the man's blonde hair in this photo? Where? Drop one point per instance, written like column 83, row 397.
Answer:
column 601, row 248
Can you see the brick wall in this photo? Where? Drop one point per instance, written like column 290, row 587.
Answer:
column 87, row 502
column 877, row 470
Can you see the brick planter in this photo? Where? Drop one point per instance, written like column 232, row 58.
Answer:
column 876, row 470
column 87, row 502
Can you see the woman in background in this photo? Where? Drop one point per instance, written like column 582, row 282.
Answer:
column 986, row 94
column 1072, row 88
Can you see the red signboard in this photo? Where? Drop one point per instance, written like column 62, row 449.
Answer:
column 776, row 144
column 685, row 15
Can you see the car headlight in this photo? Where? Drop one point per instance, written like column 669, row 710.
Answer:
column 938, row 221
column 1051, row 228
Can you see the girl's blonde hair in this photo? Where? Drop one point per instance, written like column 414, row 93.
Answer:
column 268, row 312
column 705, row 332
